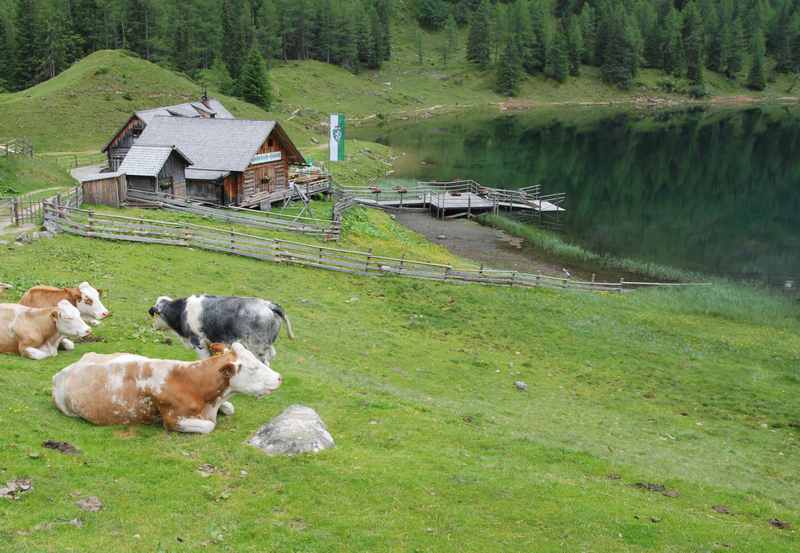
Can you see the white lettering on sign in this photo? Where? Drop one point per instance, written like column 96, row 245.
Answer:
column 266, row 158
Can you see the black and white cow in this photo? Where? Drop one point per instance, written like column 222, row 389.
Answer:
column 203, row 320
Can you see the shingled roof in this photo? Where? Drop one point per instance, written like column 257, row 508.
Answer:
column 147, row 161
column 188, row 109
column 215, row 144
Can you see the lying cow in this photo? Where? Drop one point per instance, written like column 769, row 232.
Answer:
column 122, row 388
column 203, row 320
column 85, row 297
column 37, row 332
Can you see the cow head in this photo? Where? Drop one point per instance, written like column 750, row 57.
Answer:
column 89, row 303
column 249, row 375
column 68, row 320
column 159, row 323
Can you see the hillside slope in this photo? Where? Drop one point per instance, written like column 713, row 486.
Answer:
column 82, row 107
column 437, row 450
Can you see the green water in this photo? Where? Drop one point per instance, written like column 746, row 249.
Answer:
column 710, row 191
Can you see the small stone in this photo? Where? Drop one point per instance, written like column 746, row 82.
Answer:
column 15, row 488
column 91, row 504
column 441, row 237
column 299, row 429
column 722, row 509
column 780, row 524
column 205, row 470
column 521, row 386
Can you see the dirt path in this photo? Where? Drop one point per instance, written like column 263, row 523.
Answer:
column 468, row 239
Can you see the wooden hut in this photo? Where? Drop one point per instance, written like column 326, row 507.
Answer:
column 117, row 148
column 234, row 161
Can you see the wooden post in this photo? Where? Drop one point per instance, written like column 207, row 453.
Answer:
column 402, row 262
column 469, row 205
column 513, row 278
column 233, row 242
column 593, row 275
column 16, row 207
column 369, row 257
column 621, row 284
column 91, row 221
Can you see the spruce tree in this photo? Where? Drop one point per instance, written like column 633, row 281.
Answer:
column 588, row 19
column 139, row 26
column 29, row 32
column 233, row 35
column 575, row 42
column 384, row 9
column 619, row 55
column 253, row 83
column 478, row 38
column 757, row 78
column 672, row 43
column 7, row 61
column 559, row 57
column 693, row 43
column 508, row 71
column 734, row 54
column 718, row 41
column 541, row 18
column 450, row 44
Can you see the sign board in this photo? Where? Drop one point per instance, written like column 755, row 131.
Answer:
column 336, row 139
column 266, row 158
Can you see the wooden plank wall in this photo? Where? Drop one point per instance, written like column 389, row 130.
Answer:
column 111, row 191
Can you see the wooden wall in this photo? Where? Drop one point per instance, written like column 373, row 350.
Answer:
column 111, row 191
column 263, row 179
column 122, row 142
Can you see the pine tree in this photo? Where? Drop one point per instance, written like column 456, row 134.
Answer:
column 478, row 38
column 450, row 44
column 756, row 78
column 559, row 57
column 588, row 22
column 508, row 71
column 718, row 40
column 218, row 77
column 619, row 55
column 384, row 10
column 518, row 29
column 7, row 58
column 672, row 43
column 541, row 18
column 28, row 27
column 734, row 54
column 233, row 36
column 267, row 30
column 138, row 24
column 87, row 24
column 782, row 41
column 253, row 83
column 693, row 43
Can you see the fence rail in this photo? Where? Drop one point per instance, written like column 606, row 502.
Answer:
column 16, row 147
column 22, row 210
column 328, row 230
column 89, row 224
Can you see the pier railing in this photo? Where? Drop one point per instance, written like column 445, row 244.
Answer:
column 91, row 224
column 425, row 191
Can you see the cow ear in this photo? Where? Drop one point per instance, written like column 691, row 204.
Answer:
column 100, row 292
column 54, row 314
column 216, row 349
column 228, row 370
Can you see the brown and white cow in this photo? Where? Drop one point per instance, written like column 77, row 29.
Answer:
column 122, row 388
column 36, row 333
column 85, row 297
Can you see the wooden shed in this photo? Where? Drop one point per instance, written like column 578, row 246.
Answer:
column 156, row 169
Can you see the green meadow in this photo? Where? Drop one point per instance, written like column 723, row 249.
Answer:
column 694, row 390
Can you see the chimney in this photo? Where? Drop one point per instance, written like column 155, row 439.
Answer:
column 204, row 98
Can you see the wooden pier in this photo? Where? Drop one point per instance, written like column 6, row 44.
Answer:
column 459, row 199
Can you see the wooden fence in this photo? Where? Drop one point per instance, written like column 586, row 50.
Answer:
column 328, row 230
column 16, row 147
column 89, row 224
column 21, row 210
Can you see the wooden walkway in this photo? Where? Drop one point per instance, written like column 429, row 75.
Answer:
column 459, row 198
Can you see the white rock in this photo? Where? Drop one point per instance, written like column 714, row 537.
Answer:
column 299, row 429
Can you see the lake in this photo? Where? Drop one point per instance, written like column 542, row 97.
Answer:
column 709, row 190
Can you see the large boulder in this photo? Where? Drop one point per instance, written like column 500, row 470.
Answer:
column 299, row 429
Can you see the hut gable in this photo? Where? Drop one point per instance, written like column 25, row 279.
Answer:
column 150, row 161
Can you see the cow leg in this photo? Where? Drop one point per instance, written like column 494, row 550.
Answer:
column 33, row 353
column 68, row 344
column 194, row 425
column 226, row 408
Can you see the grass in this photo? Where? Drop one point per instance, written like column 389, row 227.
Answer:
column 22, row 176
column 436, row 449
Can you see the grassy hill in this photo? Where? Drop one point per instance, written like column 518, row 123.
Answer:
column 436, row 450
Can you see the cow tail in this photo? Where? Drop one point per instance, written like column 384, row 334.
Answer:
column 278, row 310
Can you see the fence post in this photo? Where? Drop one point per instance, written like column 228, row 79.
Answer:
column 15, row 215
column 91, row 221
column 402, row 261
column 513, row 278
column 233, row 242
column 369, row 257
column 621, row 284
